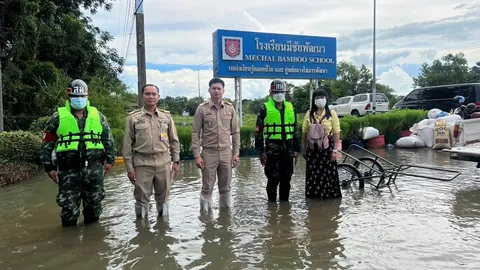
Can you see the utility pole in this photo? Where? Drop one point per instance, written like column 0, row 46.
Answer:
column 1, row 87
column 2, row 129
column 141, row 63
column 374, row 82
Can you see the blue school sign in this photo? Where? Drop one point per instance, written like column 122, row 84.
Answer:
column 265, row 55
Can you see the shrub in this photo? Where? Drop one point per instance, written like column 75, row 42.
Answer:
column 117, row 134
column 345, row 129
column 247, row 135
column 355, row 125
column 185, row 138
column 39, row 125
column 11, row 173
column 19, row 146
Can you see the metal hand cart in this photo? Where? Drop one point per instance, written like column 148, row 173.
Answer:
column 368, row 168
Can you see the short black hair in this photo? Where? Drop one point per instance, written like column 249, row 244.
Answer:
column 216, row 80
column 149, row 84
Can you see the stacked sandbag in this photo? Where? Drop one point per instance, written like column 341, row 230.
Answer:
column 412, row 141
column 442, row 135
column 432, row 137
column 369, row 133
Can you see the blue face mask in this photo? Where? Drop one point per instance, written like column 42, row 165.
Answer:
column 78, row 103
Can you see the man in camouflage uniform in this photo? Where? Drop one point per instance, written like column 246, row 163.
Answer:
column 151, row 150
column 85, row 152
column 277, row 120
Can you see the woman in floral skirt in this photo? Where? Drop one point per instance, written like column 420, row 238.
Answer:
column 321, row 136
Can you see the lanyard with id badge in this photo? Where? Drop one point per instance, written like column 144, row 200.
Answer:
column 163, row 130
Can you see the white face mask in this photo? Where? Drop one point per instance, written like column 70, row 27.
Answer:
column 320, row 102
column 279, row 97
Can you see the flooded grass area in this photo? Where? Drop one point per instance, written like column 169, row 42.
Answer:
column 415, row 224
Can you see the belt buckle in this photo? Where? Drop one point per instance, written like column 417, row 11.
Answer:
column 220, row 148
column 154, row 155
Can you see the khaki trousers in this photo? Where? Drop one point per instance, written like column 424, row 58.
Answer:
column 152, row 173
column 216, row 163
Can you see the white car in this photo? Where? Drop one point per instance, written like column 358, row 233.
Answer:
column 342, row 105
column 360, row 104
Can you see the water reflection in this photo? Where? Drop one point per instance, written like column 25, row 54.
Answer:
column 280, row 244
column 419, row 224
column 217, row 249
column 151, row 246
column 324, row 248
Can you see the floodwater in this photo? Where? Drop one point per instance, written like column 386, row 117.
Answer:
column 415, row 224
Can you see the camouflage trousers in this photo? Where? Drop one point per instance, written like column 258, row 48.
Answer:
column 77, row 185
column 279, row 171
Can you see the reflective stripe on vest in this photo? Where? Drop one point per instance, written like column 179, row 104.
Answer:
column 273, row 122
column 69, row 134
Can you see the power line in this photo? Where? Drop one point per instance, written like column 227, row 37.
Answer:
column 129, row 41
column 129, row 6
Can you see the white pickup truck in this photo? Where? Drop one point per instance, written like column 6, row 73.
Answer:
column 466, row 144
column 360, row 105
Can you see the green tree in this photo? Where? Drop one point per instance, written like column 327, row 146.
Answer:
column 450, row 69
column 47, row 43
column 475, row 73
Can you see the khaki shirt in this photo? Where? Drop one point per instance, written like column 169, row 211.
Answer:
column 149, row 134
column 212, row 127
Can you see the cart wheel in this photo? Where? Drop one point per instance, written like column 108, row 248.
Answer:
column 371, row 167
column 347, row 173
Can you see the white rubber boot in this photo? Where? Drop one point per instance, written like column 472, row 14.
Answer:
column 140, row 211
column 205, row 203
column 225, row 200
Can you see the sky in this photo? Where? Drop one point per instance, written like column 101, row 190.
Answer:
column 178, row 36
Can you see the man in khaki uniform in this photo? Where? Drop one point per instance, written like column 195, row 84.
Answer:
column 215, row 121
column 150, row 144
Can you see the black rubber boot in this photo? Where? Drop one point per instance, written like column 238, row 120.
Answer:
column 69, row 223
column 90, row 220
column 272, row 195
column 284, row 192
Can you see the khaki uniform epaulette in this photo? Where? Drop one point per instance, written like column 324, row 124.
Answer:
column 135, row 111
column 227, row 102
column 164, row 111
column 204, row 103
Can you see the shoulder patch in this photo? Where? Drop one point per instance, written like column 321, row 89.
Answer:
column 164, row 111
column 135, row 111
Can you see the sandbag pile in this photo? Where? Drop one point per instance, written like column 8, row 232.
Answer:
column 436, row 132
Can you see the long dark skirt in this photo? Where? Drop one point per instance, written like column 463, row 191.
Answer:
column 321, row 174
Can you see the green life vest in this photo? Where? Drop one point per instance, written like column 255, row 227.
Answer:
column 69, row 134
column 273, row 127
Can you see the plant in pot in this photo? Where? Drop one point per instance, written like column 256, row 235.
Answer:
column 411, row 117
column 354, row 134
column 394, row 124
column 345, row 129
column 377, row 121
